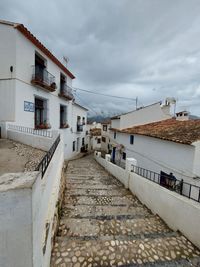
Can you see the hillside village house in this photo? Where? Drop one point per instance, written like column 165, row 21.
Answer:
column 105, row 136
column 94, row 136
column 158, row 143
column 35, row 89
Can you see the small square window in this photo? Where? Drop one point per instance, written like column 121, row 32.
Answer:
column 131, row 139
column 103, row 139
column 99, row 141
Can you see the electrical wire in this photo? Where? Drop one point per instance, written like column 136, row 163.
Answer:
column 96, row 93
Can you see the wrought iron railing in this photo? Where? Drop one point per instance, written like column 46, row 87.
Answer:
column 43, row 165
column 29, row 130
column 43, row 77
column 170, row 182
column 66, row 91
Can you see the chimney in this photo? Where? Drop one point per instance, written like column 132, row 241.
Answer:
column 182, row 115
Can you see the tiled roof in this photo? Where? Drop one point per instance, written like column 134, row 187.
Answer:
column 185, row 132
column 38, row 44
column 95, row 132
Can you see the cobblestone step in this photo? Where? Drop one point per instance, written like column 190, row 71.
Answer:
column 101, row 200
column 128, row 227
column 85, row 211
column 98, row 192
column 122, row 253
column 102, row 224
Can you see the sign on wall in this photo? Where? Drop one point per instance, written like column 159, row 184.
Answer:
column 28, row 106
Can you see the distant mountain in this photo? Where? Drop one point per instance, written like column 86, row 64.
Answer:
column 97, row 118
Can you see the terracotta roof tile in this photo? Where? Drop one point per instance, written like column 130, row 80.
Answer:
column 95, row 132
column 185, row 132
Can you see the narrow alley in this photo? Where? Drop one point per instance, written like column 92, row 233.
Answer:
column 103, row 224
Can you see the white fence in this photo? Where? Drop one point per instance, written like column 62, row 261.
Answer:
column 179, row 212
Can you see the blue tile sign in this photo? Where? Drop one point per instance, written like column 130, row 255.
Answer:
column 28, row 106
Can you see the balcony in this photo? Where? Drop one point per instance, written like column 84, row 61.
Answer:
column 79, row 127
column 66, row 92
column 43, row 79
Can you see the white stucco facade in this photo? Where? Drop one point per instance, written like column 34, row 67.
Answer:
column 156, row 154
column 151, row 113
column 17, row 53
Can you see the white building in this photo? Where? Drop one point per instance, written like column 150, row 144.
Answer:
column 151, row 113
column 169, row 145
column 94, row 136
column 35, row 89
column 105, row 136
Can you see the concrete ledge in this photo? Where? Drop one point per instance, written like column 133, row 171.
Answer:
column 13, row 181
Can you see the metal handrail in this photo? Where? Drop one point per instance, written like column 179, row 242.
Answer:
column 179, row 186
column 42, row 75
column 66, row 91
column 43, row 165
column 30, row 130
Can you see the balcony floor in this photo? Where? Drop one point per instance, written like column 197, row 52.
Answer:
column 17, row 157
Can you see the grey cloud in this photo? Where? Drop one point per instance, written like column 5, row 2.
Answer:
column 148, row 49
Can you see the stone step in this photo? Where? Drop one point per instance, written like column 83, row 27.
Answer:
column 85, row 211
column 101, row 181
column 98, row 192
column 101, row 200
column 92, row 186
column 122, row 252
column 98, row 228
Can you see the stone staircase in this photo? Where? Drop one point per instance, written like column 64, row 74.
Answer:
column 103, row 224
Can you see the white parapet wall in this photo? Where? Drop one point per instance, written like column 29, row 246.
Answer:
column 27, row 207
column 179, row 212
column 121, row 174
column 37, row 141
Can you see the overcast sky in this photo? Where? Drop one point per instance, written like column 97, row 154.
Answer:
column 144, row 48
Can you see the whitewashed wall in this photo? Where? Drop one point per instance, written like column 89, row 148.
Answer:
column 145, row 115
column 179, row 212
column 156, row 155
column 27, row 206
column 196, row 165
column 7, row 51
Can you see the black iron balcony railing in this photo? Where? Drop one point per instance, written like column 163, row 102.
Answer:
column 42, row 78
column 66, row 92
column 79, row 127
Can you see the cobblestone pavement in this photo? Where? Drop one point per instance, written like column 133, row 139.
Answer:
column 103, row 224
column 17, row 157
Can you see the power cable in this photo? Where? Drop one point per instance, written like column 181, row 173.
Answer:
column 96, row 93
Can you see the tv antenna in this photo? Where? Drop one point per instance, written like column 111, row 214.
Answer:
column 66, row 60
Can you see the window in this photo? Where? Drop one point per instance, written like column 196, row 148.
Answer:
column 103, row 139
column 105, row 128
column 62, row 83
column 83, row 120
column 131, row 139
column 41, row 113
column 40, row 66
column 63, row 117
column 124, row 156
column 74, row 146
column 83, row 141
column 99, row 141
column 115, row 135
